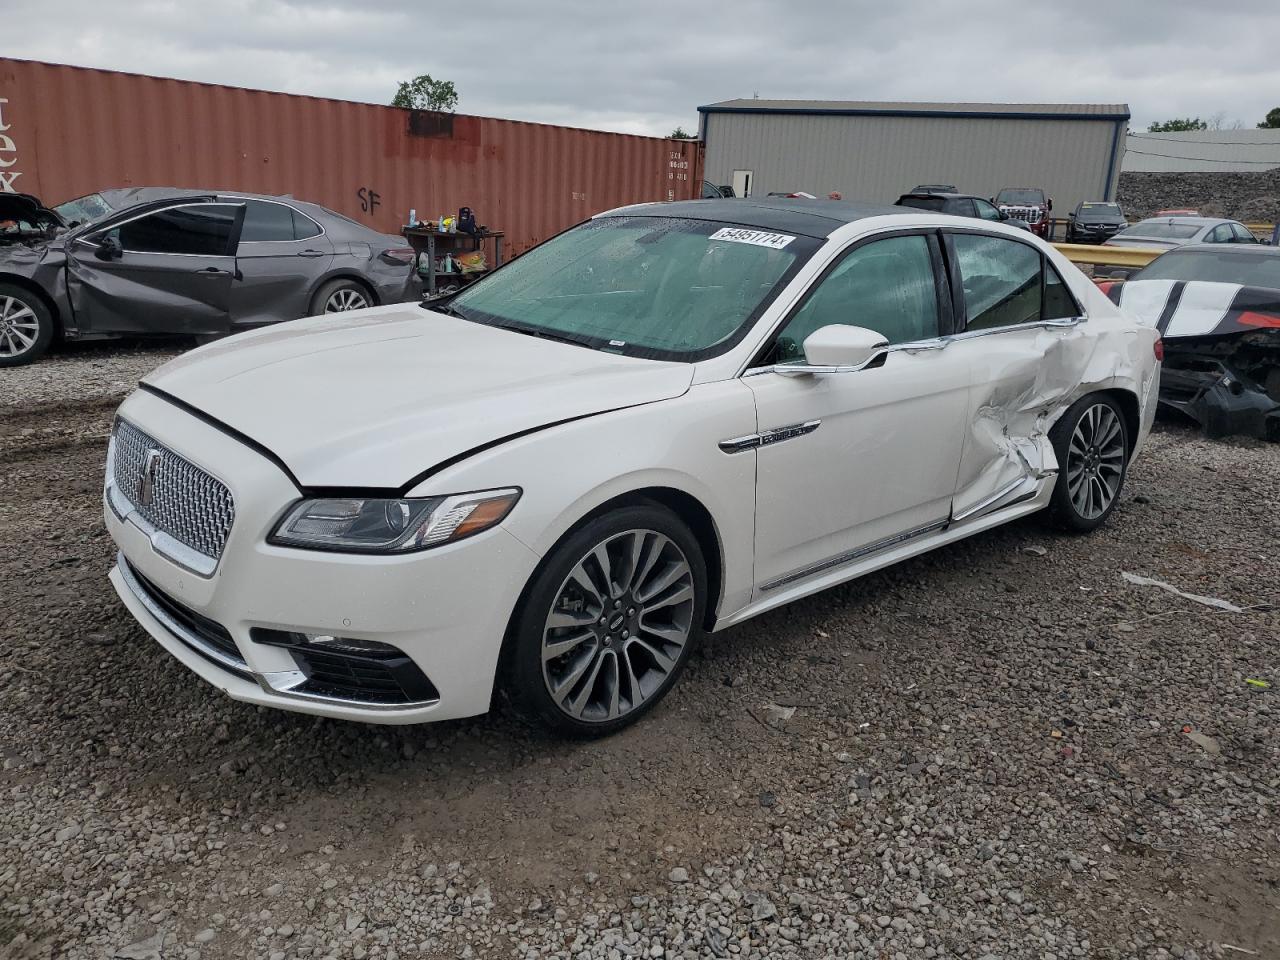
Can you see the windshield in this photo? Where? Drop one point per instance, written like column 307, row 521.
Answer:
column 1248, row 269
column 658, row 287
column 1099, row 211
column 82, row 210
column 1020, row 195
column 1162, row 231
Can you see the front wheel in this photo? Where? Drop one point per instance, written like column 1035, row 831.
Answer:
column 608, row 622
column 26, row 326
column 1092, row 445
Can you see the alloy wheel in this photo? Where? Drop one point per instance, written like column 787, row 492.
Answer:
column 348, row 298
column 19, row 327
column 1095, row 461
column 618, row 626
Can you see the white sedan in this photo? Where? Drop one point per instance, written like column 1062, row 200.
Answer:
column 665, row 421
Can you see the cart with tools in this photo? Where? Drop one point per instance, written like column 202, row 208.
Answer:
column 437, row 246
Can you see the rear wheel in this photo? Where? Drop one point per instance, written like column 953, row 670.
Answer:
column 26, row 326
column 339, row 296
column 608, row 623
column 1092, row 445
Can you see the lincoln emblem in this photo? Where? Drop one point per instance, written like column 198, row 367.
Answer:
column 147, row 481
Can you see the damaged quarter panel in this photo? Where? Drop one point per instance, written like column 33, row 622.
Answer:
column 1033, row 361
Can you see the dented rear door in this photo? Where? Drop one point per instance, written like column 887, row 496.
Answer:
column 1028, row 348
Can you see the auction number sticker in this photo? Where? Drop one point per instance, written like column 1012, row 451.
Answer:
column 758, row 238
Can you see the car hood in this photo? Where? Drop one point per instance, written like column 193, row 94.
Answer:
column 375, row 398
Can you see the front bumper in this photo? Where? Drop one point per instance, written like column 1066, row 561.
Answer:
column 446, row 608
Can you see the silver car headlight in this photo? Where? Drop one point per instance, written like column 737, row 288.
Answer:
column 368, row 525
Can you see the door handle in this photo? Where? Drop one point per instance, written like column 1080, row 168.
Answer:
column 311, row 253
column 212, row 272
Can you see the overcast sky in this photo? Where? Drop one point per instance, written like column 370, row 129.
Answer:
column 644, row 67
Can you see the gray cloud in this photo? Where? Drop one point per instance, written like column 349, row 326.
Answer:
column 645, row 67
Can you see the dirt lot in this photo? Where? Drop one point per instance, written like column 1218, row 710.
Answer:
column 988, row 757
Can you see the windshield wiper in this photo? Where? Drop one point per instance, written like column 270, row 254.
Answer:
column 543, row 334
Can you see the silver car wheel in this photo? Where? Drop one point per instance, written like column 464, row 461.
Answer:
column 1095, row 461
column 19, row 327
column 618, row 626
column 348, row 298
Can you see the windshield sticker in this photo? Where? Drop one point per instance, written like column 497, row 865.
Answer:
column 758, row 238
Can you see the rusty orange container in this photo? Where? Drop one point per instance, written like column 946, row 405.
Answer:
column 68, row 131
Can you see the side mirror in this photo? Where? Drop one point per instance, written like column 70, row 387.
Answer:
column 1050, row 204
column 109, row 249
column 838, row 348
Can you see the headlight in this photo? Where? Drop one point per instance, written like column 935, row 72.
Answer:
column 359, row 525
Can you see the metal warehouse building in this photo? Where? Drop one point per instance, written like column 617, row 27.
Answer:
column 877, row 151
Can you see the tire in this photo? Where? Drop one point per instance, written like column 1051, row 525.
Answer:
column 331, row 297
column 1091, row 441
column 608, row 660
column 26, row 326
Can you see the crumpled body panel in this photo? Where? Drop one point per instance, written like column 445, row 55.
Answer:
column 1023, row 381
column 1222, row 351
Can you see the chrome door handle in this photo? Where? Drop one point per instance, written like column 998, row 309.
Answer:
column 311, row 253
column 1064, row 322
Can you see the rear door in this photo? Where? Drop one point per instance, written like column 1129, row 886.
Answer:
column 1020, row 334
column 282, row 254
column 173, row 274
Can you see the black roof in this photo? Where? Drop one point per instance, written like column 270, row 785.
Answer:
column 1253, row 248
column 808, row 218
column 947, row 195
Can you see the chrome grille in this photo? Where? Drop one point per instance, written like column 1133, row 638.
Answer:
column 185, row 502
column 1025, row 214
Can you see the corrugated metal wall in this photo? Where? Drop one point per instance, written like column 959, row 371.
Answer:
column 68, row 131
column 876, row 159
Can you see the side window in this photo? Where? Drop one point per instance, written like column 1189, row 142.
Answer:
column 1219, row 234
column 1242, row 234
column 1001, row 281
column 986, row 211
column 304, row 227
column 887, row 286
column 265, row 222
column 200, row 229
column 964, row 208
column 1059, row 304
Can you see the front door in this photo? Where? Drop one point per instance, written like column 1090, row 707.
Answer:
column 282, row 256
column 171, row 271
column 854, row 462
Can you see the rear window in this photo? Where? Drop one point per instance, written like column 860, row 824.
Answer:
column 1162, row 231
column 1248, row 269
column 923, row 203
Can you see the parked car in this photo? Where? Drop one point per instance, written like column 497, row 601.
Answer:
column 1165, row 233
column 1217, row 308
column 935, row 188
column 666, row 420
column 160, row 260
column 958, row 205
column 1029, row 204
column 1095, row 221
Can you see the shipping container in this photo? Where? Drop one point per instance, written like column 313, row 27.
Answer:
column 69, row 131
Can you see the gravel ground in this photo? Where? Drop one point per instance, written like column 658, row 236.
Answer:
column 1002, row 749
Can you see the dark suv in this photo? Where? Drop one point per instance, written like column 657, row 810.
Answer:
column 1093, row 222
column 958, row 205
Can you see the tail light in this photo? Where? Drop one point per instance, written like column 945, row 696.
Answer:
column 1158, row 348
column 401, row 256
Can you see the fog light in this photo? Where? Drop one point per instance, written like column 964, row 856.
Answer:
column 368, row 648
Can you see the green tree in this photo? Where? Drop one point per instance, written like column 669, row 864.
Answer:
column 424, row 93
column 1272, row 122
column 1178, row 126
column 679, row 134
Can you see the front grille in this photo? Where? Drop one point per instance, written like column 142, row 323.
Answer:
column 197, row 626
column 171, row 493
column 1025, row 214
